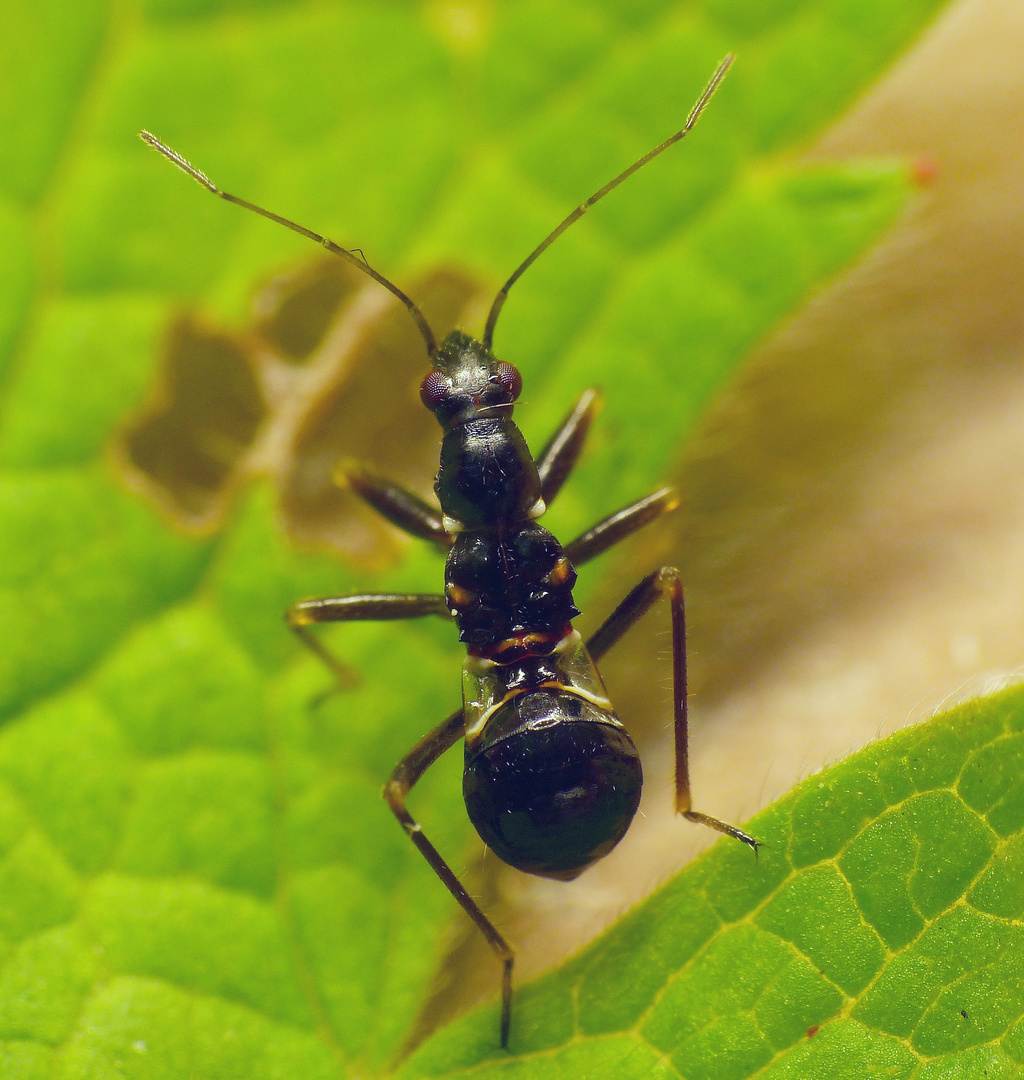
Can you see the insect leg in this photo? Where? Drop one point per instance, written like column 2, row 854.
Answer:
column 621, row 524
column 361, row 606
column 555, row 461
column 409, row 512
column 665, row 582
column 405, row 774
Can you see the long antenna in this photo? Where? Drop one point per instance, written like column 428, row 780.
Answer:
column 335, row 249
column 705, row 97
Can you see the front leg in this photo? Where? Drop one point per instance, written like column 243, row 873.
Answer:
column 666, row 582
column 555, row 461
column 403, row 509
column 360, row 606
column 610, row 530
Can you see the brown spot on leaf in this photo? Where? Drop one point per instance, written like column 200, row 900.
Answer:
column 188, row 445
column 295, row 310
column 329, row 370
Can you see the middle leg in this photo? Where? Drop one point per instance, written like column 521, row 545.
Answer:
column 666, row 582
column 555, row 461
column 610, row 530
column 358, row 607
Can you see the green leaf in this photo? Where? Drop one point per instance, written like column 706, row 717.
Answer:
column 49, row 53
column 197, row 874
column 890, row 945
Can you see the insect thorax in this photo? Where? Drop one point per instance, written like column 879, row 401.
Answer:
column 487, row 477
column 506, row 586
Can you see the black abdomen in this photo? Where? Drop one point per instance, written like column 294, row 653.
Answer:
column 556, row 787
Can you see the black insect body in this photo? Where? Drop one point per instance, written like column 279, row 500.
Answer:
column 552, row 779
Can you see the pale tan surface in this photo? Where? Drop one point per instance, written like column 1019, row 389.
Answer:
column 853, row 539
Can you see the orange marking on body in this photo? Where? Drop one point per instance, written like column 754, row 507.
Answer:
column 559, row 573
column 519, row 646
column 458, row 597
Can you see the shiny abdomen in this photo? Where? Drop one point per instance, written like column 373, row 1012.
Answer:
column 553, row 782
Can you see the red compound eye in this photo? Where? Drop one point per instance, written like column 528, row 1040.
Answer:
column 510, row 378
column 433, row 389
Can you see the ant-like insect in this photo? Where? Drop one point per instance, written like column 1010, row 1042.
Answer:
column 552, row 779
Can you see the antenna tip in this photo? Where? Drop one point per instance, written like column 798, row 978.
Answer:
column 175, row 158
column 723, row 68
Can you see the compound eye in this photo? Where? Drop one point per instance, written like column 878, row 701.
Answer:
column 510, row 379
column 434, row 389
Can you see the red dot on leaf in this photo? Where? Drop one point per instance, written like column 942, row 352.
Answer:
column 924, row 170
